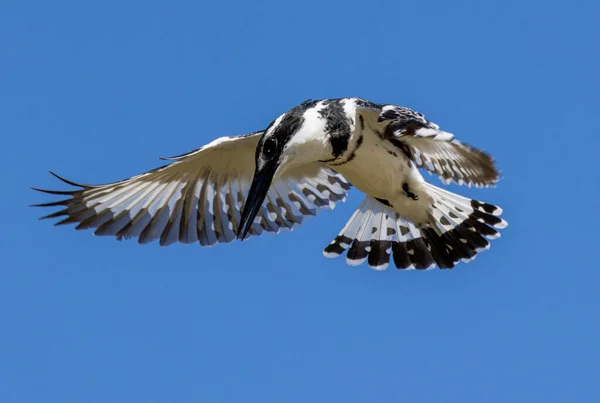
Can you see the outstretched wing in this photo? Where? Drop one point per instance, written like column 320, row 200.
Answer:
column 198, row 197
column 435, row 150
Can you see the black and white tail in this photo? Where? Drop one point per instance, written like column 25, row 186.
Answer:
column 459, row 228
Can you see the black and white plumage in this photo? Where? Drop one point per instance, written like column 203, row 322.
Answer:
column 303, row 161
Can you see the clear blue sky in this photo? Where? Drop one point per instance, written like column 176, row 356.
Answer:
column 98, row 90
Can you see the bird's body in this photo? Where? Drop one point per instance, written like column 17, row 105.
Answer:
column 304, row 160
column 380, row 171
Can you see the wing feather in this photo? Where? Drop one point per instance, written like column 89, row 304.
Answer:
column 198, row 197
column 453, row 161
column 432, row 149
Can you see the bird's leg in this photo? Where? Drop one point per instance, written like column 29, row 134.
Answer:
column 408, row 193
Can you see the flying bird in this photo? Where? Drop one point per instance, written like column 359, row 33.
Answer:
column 306, row 160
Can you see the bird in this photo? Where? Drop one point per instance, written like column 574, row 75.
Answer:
column 306, row 160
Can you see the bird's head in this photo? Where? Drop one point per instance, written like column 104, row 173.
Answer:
column 295, row 138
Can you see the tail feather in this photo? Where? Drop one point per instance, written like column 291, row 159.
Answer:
column 361, row 246
column 399, row 251
column 381, row 243
column 445, row 216
column 459, row 229
column 348, row 233
column 417, row 248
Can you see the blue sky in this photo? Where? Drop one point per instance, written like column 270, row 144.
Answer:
column 97, row 90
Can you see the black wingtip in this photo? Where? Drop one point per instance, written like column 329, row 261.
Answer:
column 55, row 214
column 54, row 192
column 52, row 204
column 68, row 182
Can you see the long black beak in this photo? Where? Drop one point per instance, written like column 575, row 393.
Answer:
column 258, row 191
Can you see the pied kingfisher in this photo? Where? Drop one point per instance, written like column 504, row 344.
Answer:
column 305, row 160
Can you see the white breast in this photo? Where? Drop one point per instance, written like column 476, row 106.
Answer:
column 379, row 170
column 376, row 171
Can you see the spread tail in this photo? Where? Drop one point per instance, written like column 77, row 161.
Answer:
column 459, row 228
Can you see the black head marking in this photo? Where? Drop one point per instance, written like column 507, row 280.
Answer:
column 337, row 125
column 289, row 124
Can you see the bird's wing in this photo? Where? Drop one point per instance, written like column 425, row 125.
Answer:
column 198, row 197
column 435, row 150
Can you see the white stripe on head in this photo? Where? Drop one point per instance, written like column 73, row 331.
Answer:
column 313, row 127
column 274, row 126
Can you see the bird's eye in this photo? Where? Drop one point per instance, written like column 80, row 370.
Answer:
column 269, row 147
